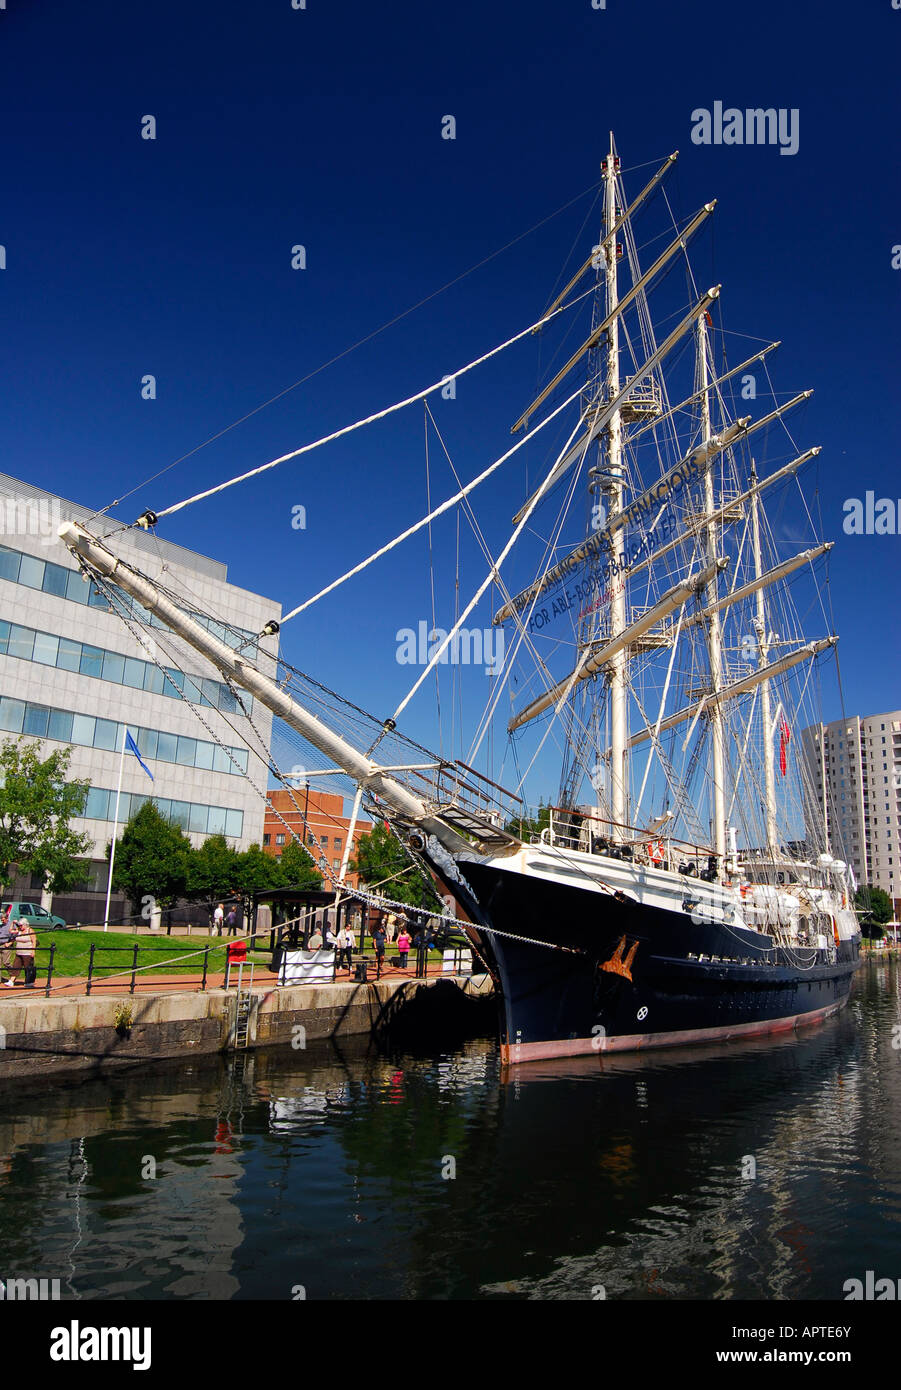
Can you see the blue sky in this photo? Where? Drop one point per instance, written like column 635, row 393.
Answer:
column 322, row 127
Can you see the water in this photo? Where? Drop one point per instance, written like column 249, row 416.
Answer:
column 354, row 1173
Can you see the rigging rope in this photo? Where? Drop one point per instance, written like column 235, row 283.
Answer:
column 430, row 517
column 592, row 188
column 494, row 571
column 370, row 419
column 520, row 620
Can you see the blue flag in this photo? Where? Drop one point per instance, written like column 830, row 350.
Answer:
column 133, row 747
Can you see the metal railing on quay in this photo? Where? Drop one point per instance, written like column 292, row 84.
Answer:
column 99, row 974
column 136, row 969
column 363, row 962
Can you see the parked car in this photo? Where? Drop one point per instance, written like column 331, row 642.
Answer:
column 38, row 916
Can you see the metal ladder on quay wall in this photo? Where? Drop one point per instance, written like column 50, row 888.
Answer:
column 243, row 1008
column 242, row 1019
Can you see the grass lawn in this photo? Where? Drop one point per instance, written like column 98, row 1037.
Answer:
column 73, row 949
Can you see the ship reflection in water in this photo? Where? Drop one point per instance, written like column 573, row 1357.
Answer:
column 763, row 1170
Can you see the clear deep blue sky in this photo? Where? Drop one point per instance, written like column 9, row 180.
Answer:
column 322, row 127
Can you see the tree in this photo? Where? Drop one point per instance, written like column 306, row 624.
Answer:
column 38, row 799
column 383, row 864
column 255, row 870
column 874, row 907
column 153, row 860
column 527, row 826
column 296, row 869
column 212, row 872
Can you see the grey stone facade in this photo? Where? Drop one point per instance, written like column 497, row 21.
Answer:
column 29, row 518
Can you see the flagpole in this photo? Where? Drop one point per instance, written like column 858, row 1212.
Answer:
column 112, row 852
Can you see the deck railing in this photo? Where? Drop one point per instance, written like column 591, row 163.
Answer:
column 593, row 834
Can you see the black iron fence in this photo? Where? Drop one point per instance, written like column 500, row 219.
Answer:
column 364, row 963
column 95, row 969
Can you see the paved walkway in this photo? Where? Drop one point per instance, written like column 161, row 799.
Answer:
column 158, row 983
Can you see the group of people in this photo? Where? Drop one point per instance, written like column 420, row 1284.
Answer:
column 18, row 944
column 387, row 930
column 344, row 941
column 384, row 932
column 223, row 921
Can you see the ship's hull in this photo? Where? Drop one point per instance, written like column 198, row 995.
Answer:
column 579, row 971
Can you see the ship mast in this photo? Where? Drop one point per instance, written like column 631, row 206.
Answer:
column 617, row 670
column 714, row 625
column 763, row 647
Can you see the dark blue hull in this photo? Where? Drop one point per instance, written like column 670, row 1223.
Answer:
column 609, row 975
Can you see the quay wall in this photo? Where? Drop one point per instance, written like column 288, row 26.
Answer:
column 42, row 1037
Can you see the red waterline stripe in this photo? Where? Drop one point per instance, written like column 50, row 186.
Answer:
column 511, row 1053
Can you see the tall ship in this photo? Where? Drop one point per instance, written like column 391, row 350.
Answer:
column 680, row 886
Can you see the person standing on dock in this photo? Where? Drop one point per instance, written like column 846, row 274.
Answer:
column 315, row 942
column 403, row 946
column 218, row 919
column 7, row 942
column 350, row 945
column 26, row 945
column 424, row 937
column 378, row 941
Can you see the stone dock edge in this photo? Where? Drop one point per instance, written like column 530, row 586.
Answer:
column 42, row 1037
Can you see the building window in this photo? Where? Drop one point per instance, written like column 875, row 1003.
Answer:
column 89, row 731
column 21, row 568
column 202, row 820
column 324, row 842
column 338, row 842
column 279, row 839
column 48, row 650
column 267, row 839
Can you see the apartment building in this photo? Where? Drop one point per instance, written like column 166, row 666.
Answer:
column 854, row 768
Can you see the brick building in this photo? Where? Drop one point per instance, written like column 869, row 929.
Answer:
column 327, row 827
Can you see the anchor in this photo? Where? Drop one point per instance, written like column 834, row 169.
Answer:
column 616, row 965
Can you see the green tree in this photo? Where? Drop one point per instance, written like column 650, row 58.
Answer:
column 527, row 826
column 38, row 799
column 384, row 866
column 874, row 907
column 153, row 859
column 255, row 870
column 212, row 872
column 296, row 869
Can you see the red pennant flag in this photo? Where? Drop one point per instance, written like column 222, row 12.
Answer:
column 784, row 740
